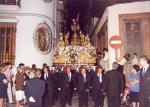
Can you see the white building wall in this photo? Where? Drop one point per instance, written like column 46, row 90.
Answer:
column 28, row 16
column 25, row 49
column 113, row 20
column 112, row 15
column 32, row 13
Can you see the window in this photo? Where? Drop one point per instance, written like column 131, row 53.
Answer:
column 10, row 2
column 134, row 28
column 7, row 42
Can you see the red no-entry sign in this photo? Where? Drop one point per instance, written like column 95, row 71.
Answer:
column 116, row 42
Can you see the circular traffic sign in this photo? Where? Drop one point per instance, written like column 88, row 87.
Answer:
column 116, row 42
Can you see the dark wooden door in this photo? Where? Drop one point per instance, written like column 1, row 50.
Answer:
column 135, row 29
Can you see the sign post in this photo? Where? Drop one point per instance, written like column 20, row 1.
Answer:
column 116, row 42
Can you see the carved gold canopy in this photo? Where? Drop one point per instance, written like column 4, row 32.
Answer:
column 78, row 51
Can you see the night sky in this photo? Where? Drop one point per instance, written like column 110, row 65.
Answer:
column 81, row 7
column 87, row 9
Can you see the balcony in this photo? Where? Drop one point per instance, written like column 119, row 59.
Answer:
column 10, row 2
column 7, row 6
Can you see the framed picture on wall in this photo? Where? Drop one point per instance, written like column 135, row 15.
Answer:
column 43, row 38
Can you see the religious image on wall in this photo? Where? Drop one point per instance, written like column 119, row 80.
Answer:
column 43, row 38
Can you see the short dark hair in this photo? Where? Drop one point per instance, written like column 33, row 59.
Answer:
column 127, row 56
column 105, row 49
column 33, row 66
column 148, row 61
column 136, row 67
column 145, row 58
column 135, row 54
column 2, row 66
column 7, row 63
column 115, row 65
column 21, row 64
column 44, row 64
column 97, row 68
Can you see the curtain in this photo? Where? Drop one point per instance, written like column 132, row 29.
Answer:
column 7, row 42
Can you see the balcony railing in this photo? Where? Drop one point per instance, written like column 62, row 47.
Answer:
column 10, row 2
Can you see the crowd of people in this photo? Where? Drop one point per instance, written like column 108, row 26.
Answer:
column 43, row 87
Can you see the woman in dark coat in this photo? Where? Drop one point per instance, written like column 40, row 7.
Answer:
column 3, row 85
column 97, row 87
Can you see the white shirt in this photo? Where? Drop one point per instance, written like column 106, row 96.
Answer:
column 45, row 75
column 84, row 75
column 106, row 56
column 145, row 69
column 100, row 78
column 69, row 75
column 134, row 61
column 122, row 61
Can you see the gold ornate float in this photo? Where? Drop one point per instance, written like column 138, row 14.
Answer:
column 78, row 51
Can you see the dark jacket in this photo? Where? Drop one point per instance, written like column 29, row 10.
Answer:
column 97, row 90
column 19, row 81
column 81, row 85
column 35, row 88
column 3, row 87
column 65, row 83
column 145, row 88
column 114, row 83
column 96, row 85
column 83, row 88
column 67, row 88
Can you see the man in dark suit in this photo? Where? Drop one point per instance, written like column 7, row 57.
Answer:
column 50, row 88
column 34, row 90
column 114, row 86
column 66, row 87
column 45, row 75
column 144, row 97
column 97, row 87
column 83, row 85
column 56, row 78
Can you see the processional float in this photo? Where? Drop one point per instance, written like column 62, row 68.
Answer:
column 79, row 51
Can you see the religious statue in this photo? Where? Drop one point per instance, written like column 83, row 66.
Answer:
column 61, row 42
column 61, row 45
column 75, row 25
column 66, row 39
column 75, row 40
column 43, row 39
column 87, row 41
column 72, row 56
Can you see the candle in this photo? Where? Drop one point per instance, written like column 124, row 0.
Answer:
column 65, row 63
column 79, row 62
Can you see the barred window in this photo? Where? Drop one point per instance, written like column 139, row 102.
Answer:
column 7, row 42
column 10, row 2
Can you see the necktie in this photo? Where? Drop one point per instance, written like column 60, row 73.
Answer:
column 143, row 72
column 84, row 78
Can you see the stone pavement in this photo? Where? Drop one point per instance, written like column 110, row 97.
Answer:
column 74, row 103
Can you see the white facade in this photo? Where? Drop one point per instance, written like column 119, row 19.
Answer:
column 112, row 15
column 28, row 16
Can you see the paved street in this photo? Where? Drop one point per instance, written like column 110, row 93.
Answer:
column 74, row 103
